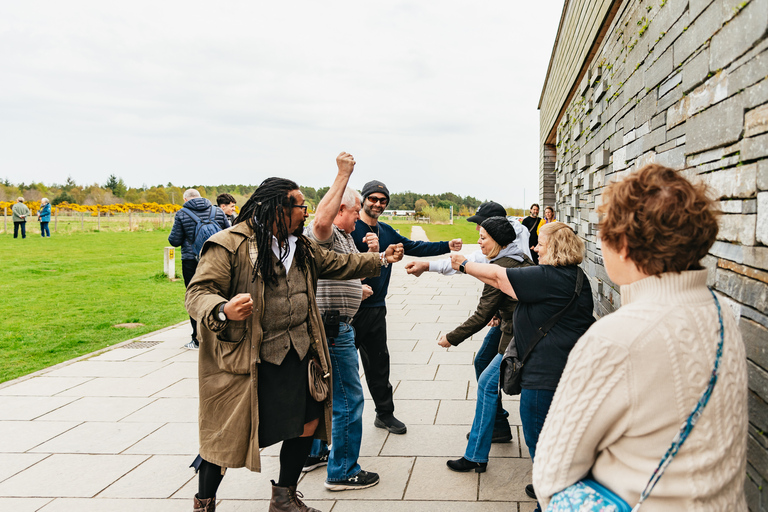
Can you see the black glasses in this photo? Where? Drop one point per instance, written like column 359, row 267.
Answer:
column 381, row 200
column 302, row 206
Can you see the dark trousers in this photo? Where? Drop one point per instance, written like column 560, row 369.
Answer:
column 20, row 225
column 371, row 340
column 188, row 268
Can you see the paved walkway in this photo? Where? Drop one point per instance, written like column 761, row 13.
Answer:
column 117, row 432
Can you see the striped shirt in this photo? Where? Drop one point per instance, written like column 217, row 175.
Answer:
column 333, row 294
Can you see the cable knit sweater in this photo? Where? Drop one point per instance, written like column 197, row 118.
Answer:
column 631, row 381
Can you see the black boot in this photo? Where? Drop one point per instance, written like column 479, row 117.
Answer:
column 463, row 465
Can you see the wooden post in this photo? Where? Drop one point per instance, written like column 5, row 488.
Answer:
column 55, row 220
column 82, row 222
column 162, row 219
column 5, row 220
column 130, row 220
column 98, row 219
column 169, row 263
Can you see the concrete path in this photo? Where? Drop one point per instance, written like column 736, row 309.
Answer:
column 117, row 432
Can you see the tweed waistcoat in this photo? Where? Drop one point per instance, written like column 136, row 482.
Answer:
column 286, row 306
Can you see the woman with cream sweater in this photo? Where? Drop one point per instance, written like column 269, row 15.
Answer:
column 635, row 376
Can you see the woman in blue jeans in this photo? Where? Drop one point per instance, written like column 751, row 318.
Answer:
column 498, row 245
column 542, row 292
column 44, row 217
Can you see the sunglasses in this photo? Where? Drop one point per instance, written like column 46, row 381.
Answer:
column 381, row 200
column 302, row 206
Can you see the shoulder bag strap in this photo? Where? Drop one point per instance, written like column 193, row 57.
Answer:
column 687, row 427
column 543, row 330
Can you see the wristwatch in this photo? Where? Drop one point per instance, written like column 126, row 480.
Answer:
column 463, row 266
column 220, row 312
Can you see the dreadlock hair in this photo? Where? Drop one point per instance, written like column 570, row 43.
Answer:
column 264, row 209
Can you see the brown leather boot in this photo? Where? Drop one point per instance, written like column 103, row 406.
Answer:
column 286, row 499
column 208, row 505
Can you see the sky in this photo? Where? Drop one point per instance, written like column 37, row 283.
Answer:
column 429, row 96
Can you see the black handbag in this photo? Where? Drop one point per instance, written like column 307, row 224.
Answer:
column 511, row 371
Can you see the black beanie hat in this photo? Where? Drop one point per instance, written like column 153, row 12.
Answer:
column 500, row 229
column 375, row 186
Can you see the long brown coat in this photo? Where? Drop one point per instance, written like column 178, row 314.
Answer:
column 229, row 352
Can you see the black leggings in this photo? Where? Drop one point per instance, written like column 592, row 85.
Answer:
column 293, row 454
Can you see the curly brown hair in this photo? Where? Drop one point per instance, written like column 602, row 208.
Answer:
column 667, row 223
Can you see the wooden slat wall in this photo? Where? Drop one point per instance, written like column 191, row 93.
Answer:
column 579, row 29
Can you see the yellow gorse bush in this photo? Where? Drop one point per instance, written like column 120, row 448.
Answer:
column 34, row 206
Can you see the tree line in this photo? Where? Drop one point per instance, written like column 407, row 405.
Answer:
column 115, row 191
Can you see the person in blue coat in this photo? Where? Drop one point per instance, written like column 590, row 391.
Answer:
column 183, row 234
column 44, row 217
column 370, row 321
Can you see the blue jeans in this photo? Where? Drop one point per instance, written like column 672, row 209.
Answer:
column 489, row 350
column 479, row 444
column 348, row 400
column 534, row 405
column 44, row 229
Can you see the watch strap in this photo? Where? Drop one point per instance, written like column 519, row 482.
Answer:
column 463, row 266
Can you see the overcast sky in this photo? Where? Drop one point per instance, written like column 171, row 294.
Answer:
column 429, row 96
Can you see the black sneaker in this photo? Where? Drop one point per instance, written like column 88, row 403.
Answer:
column 362, row 480
column 193, row 344
column 530, row 492
column 389, row 422
column 314, row 463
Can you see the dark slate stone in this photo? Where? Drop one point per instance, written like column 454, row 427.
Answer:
column 670, row 99
column 659, row 120
column 696, row 71
column 646, row 109
column 739, row 34
column 755, row 338
column 731, row 252
column 677, row 131
column 752, row 491
column 673, row 158
column 670, row 83
column 758, row 382
column 756, row 455
column 753, row 148
column 654, row 139
column 633, row 85
column 748, row 73
column 663, row 21
column 659, row 70
column 634, row 149
column 717, row 126
column 695, row 7
column 698, row 32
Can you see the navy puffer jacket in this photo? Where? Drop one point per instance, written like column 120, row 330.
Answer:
column 183, row 231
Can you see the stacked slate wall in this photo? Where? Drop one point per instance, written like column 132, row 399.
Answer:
column 683, row 83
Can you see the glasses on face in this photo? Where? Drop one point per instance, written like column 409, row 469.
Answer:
column 302, row 206
column 381, row 200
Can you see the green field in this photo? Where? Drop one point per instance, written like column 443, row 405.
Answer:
column 63, row 295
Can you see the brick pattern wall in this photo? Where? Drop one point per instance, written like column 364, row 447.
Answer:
column 683, row 83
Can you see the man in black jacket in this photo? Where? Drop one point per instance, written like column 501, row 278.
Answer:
column 183, row 234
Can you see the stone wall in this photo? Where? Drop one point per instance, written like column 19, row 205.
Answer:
column 683, row 83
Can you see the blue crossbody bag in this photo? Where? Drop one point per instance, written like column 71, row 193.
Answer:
column 587, row 495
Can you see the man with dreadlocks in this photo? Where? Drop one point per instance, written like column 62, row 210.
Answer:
column 254, row 298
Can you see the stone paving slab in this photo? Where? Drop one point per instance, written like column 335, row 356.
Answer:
column 117, row 431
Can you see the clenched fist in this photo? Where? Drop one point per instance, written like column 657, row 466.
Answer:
column 239, row 307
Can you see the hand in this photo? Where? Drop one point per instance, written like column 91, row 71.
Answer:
column 346, row 164
column 443, row 342
column 457, row 260
column 367, row 291
column 239, row 307
column 372, row 239
column 394, row 253
column 455, row 244
column 495, row 321
column 417, row 268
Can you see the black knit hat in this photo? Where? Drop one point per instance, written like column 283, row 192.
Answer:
column 485, row 210
column 500, row 229
column 375, row 186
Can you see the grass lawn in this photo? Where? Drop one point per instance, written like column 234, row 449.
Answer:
column 438, row 232
column 64, row 293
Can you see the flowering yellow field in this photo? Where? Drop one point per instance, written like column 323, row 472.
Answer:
column 95, row 209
